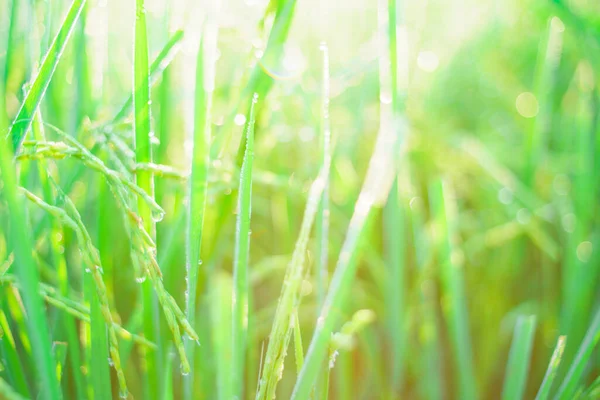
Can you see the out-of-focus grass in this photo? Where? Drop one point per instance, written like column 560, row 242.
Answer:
column 447, row 155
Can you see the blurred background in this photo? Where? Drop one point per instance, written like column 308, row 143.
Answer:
column 500, row 103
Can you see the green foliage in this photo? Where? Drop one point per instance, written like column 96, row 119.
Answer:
column 415, row 182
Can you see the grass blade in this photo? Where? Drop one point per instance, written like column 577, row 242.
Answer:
column 517, row 367
column 145, row 180
column 445, row 213
column 198, row 183
column 33, row 98
column 28, row 275
column 240, row 269
column 289, row 299
column 592, row 337
column 546, row 386
column 160, row 63
column 375, row 190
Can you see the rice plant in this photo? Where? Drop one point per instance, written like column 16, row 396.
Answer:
column 299, row 200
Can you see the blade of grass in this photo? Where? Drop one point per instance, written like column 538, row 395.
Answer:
column 8, row 393
column 98, row 350
column 546, row 386
column 34, row 96
column 288, row 303
column 198, row 182
column 374, row 192
column 322, row 222
column 240, row 268
column 517, row 368
column 14, row 366
column 56, row 235
column 393, row 216
column 298, row 349
column 28, row 274
column 260, row 81
column 145, row 180
column 455, row 307
column 160, row 63
column 571, row 381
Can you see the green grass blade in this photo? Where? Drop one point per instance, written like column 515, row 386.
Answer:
column 573, row 378
column 546, row 386
column 34, row 96
column 298, row 349
column 28, row 275
column 8, row 393
column 98, row 350
column 240, row 268
column 160, row 63
column 69, row 324
column 198, row 183
column 517, row 368
column 14, row 366
column 446, row 214
column 374, row 192
column 289, row 299
column 322, row 223
column 145, row 180
column 260, row 81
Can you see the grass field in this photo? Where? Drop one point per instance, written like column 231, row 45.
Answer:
column 310, row 199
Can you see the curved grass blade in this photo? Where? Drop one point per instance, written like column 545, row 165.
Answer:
column 198, row 183
column 33, row 98
column 517, row 367
column 544, row 391
column 591, row 339
column 240, row 268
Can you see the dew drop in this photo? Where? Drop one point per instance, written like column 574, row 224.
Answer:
column 184, row 370
column 111, row 362
column 158, row 216
column 123, row 394
column 88, row 270
column 140, row 279
column 239, row 120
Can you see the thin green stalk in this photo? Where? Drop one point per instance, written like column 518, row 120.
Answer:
column 287, row 306
column 56, row 235
column 374, row 192
column 517, row 368
column 34, row 96
column 14, row 367
column 546, row 386
column 576, row 370
column 322, row 222
column 160, row 63
column 260, row 81
column 451, row 273
column 198, row 183
column 145, row 180
column 27, row 272
column 241, row 259
column 8, row 393
column 98, row 350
